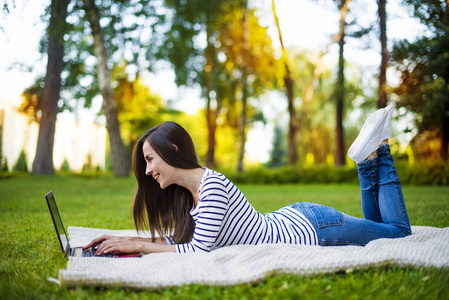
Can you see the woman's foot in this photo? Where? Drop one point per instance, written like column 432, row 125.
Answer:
column 374, row 153
column 369, row 138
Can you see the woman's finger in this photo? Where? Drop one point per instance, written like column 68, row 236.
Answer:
column 97, row 241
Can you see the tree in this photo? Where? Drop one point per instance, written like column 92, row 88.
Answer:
column 79, row 76
column 278, row 152
column 316, row 128
column 293, row 121
column 176, row 41
column 43, row 161
column 138, row 108
column 297, row 116
column 382, row 102
column 223, row 65
column 340, row 155
column 250, row 66
column 423, row 65
column 120, row 160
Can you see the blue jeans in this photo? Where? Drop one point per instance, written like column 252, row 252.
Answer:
column 383, row 207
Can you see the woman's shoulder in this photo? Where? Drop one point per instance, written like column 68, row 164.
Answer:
column 210, row 174
column 213, row 180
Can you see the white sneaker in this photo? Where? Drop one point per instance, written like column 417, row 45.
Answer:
column 369, row 136
column 386, row 132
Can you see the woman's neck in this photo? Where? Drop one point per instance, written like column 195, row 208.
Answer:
column 191, row 180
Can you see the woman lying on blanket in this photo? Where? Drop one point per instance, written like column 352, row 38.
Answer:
column 193, row 208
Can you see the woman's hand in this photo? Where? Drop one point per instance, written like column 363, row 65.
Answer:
column 115, row 244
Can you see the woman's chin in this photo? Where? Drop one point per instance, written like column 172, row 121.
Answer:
column 162, row 185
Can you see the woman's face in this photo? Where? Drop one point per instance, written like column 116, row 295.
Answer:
column 162, row 172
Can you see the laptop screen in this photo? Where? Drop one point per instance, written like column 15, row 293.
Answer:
column 60, row 231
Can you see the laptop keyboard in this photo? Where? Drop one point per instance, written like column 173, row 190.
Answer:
column 90, row 252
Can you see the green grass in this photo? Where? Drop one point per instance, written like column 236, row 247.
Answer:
column 29, row 252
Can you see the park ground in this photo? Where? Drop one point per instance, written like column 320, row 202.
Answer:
column 29, row 252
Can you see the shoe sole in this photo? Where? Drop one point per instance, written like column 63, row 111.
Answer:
column 359, row 144
column 386, row 131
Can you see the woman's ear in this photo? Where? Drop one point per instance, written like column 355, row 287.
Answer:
column 175, row 147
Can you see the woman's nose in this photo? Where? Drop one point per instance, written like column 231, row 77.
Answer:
column 148, row 171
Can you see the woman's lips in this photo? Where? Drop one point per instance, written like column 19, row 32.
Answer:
column 156, row 177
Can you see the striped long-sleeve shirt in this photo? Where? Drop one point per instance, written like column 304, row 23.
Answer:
column 224, row 217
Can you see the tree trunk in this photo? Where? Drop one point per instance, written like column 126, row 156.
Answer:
column 340, row 156
column 445, row 134
column 212, row 128
column 210, row 116
column 293, row 123
column 382, row 102
column 243, row 122
column 119, row 156
column 245, row 93
column 43, row 161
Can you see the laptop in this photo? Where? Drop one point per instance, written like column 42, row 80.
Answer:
column 63, row 240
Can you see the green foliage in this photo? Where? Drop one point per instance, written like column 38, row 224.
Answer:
column 290, row 175
column 79, row 79
column 138, row 108
column 31, row 100
column 422, row 89
column 21, row 163
column 30, row 253
column 316, row 108
column 65, row 166
column 108, row 160
column 233, row 66
column 424, row 85
column 436, row 173
column 88, row 167
column 278, row 152
column 176, row 37
column 3, row 164
column 425, row 173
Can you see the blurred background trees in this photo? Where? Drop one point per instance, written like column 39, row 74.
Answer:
column 223, row 47
column 424, row 79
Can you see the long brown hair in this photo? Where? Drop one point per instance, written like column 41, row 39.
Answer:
column 165, row 211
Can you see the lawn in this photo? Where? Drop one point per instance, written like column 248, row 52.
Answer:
column 29, row 252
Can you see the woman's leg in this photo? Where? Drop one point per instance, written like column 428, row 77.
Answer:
column 336, row 229
column 382, row 200
column 375, row 131
column 391, row 199
column 368, row 172
column 382, row 204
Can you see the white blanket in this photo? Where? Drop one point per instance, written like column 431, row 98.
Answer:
column 427, row 246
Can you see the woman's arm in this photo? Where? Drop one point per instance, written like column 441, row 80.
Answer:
column 213, row 204
column 113, row 244
column 156, row 240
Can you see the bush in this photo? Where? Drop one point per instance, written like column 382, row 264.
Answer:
column 21, row 164
column 283, row 175
column 422, row 174
column 4, row 164
column 431, row 173
column 65, row 166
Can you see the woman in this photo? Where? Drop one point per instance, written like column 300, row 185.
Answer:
column 197, row 209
